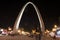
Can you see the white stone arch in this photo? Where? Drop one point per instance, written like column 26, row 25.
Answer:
column 16, row 25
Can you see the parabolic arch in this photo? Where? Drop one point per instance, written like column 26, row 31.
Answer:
column 16, row 25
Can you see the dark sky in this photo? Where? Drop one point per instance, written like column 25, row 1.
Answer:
column 9, row 9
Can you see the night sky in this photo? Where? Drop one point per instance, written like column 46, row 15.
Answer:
column 9, row 9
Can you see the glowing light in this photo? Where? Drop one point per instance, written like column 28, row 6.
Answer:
column 1, row 30
column 9, row 28
column 37, row 33
column 27, row 33
column 58, row 32
column 47, row 31
column 55, row 26
column 23, row 33
column 54, row 29
column 19, row 31
column 33, row 31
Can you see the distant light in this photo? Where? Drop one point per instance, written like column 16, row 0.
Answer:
column 37, row 33
column 19, row 31
column 23, row 33
column 33, row 31
column 54, row 29
column 47, row 31
column 9, row 28
column 58, row 32
column 55, row 26
column 1, row 30
column 3, row 33
column 27, row 33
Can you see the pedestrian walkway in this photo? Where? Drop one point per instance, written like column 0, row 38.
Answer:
column 18, row 37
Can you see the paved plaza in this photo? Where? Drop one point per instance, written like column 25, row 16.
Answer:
column 18, row 37
column 23, row 37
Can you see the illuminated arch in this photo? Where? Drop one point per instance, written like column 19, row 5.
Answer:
column 16, row 25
